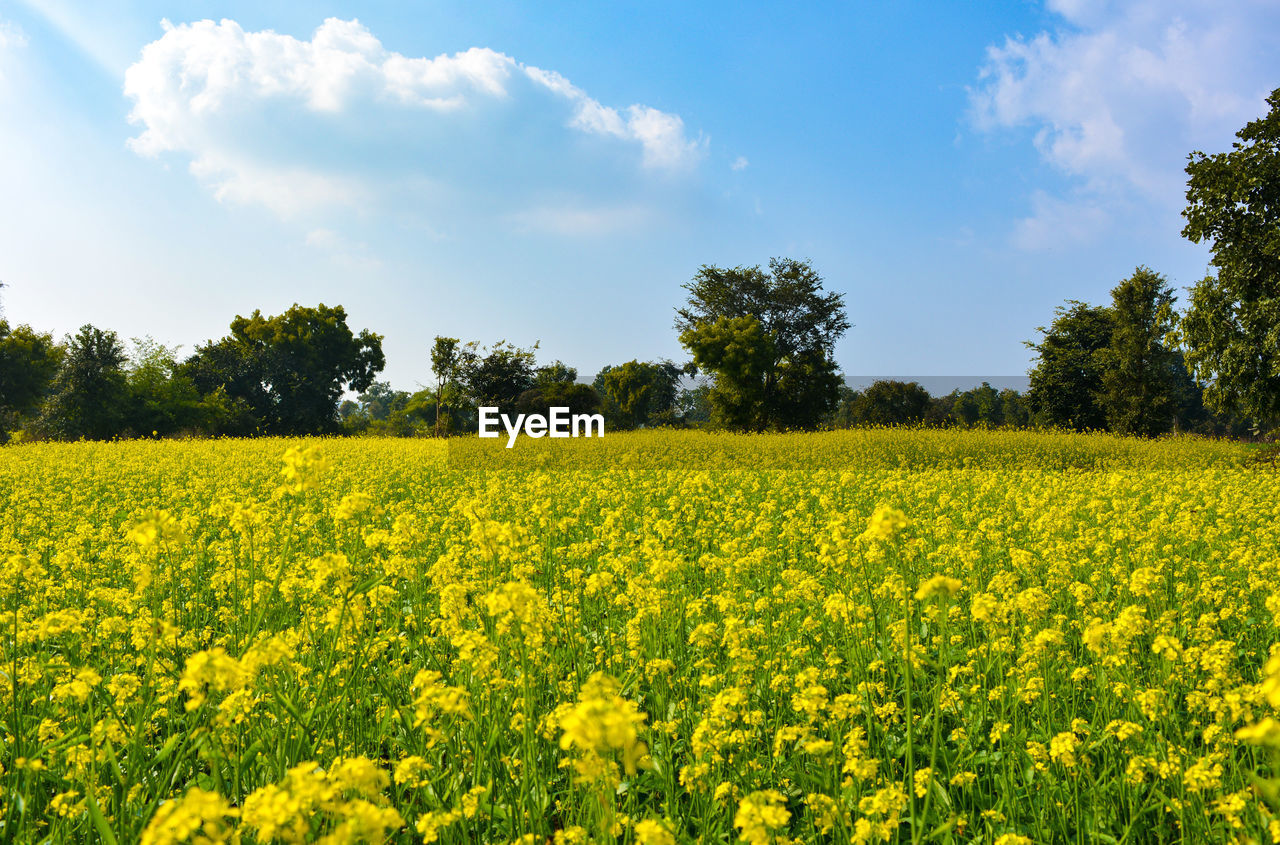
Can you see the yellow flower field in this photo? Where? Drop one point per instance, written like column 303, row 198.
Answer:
column 656, row 637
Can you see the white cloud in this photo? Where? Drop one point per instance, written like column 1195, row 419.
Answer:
column 297, row 125
column 1120, row 94
column 1056, row 222
column 739, row 163
column 287, row 191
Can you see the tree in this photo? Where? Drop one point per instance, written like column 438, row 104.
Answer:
column 444, row 363
column 28, row 363
column 693, row 405
column 978, row 405
column 290, row 369
column 380, row 400
column 162, row 399
column 768, row 338
column 557, row 372
column 1232, row 326
column 90, row 392
column 640, row 393
column 497, row 377
column 578, row 398
column 230, row 377
column 891, row 403
column 739, row 352
column 1141, row 375
column 1067, row 377
column 1013, row 408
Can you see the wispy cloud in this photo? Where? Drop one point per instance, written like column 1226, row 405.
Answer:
column 1118, row 96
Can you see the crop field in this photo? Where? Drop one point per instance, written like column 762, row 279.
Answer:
column 863, row 636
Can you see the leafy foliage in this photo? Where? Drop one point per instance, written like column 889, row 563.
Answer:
column 89, row 394
column 1232, row 326
column 1144, row 382
column 1067, row 378
column 444, row 363
column 768, row 337
column 28, row 362
column 162, row 399
column 890, row 402
column 497, row 375
column 639, row 392
column 290, row 370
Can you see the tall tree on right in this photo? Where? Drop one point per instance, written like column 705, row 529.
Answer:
column 769, row 339
column 1144, row 381
column 1232, row 327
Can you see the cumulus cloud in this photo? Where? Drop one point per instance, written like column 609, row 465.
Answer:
column 293, row 125
column 1121, row 92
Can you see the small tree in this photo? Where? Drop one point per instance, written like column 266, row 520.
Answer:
column 29, row 361
column 1067, row 377
column 444, row 363
column 640, row 393
column 888, row 402
column 162, row 399
column 380, row 400
column 555, row 373
column 497, row 377
column 90, row 393
column 769, row 338
column 578, row 398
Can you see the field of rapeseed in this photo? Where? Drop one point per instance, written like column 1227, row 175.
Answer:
column 652, row 638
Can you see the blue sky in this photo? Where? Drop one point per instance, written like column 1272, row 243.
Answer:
column 555, row 172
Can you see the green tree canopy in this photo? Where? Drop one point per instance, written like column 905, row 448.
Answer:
column 162, row 399
column 1144, row 381
column 768, row 338
column 291, row 369
column 89, row 396
column 1067, row 377
column 496, row 376
column 28, row 363
column 889, row 402
column 444, row 363
column 640, row 392
column 1232, row 326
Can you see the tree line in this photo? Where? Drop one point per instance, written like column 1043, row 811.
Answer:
column 761, row 355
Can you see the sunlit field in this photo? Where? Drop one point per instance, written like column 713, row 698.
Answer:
column 658, row 637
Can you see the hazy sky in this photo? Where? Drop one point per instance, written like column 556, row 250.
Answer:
column 555, row 172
